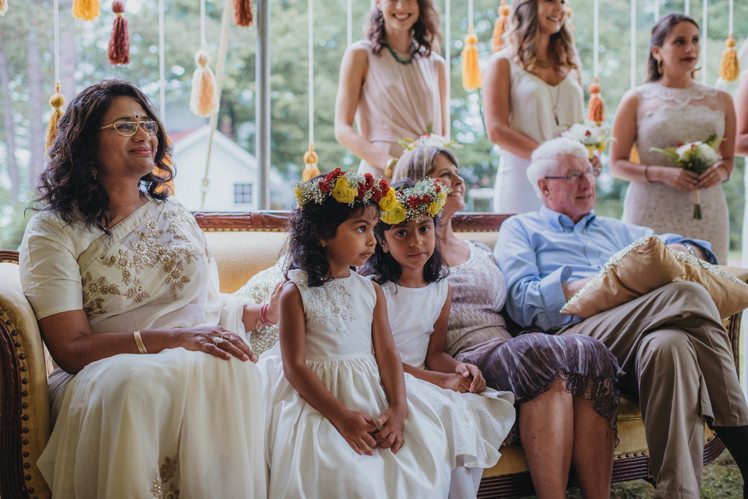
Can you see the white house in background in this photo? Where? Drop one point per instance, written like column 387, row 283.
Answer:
column 232, row 174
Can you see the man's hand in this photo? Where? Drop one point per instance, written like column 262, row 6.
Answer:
column 571, row 287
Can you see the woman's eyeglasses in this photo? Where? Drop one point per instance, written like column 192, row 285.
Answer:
column 130, row 128
column 576, row 176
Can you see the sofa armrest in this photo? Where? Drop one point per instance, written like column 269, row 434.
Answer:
column 24, row 402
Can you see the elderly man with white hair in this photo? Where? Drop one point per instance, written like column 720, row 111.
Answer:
column 670, row 342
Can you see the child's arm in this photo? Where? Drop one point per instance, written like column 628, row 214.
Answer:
column 460, row 376
column 354, row 426
column 392, row 420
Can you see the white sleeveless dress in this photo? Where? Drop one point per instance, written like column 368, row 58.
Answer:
column 534, row 107
column 666, row 117
column 306, row 456
column 398, row 101
column 476, row 424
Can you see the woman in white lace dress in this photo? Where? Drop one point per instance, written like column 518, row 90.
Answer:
column 669, row 109
column 532, row 93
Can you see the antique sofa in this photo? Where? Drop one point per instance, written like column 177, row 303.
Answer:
column 243, row 244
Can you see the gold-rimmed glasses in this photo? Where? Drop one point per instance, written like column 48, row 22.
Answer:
column 130, row 128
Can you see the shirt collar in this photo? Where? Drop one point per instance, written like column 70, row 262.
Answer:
column 561, row 221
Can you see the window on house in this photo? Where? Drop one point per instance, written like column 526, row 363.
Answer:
column 242, row 193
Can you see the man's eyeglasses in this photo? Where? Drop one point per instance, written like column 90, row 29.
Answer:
column 576, row 176
column 130, row 128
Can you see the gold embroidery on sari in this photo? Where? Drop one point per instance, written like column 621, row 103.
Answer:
column 164, row 486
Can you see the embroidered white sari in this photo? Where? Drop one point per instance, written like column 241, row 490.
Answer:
column 173, row 424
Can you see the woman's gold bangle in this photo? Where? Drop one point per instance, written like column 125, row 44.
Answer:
column 139, row 342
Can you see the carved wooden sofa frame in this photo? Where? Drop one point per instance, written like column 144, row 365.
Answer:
column 243, row 244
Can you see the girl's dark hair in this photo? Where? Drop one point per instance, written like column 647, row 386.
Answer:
column 426, row 34
column 68, row 185
column 384, row 268
column 660, row 31
column 309, row 226
column 523, row 35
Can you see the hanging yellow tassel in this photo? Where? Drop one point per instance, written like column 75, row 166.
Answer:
column 471, row 77
column 3, row 7
column 204, row 97
column 310, row 164
column 56, row 101
column 729, row 69
column 87, row 10
column 498, row 27
column 597, row 107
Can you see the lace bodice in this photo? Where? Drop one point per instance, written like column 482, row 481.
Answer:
column 668, row 116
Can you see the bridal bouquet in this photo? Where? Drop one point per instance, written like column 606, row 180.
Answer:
column 591, row 135
column 697, row 157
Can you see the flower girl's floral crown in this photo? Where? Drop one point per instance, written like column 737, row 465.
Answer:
column 426, row 197
column 345, row 187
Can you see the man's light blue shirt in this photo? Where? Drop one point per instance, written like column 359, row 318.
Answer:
column 539, row 251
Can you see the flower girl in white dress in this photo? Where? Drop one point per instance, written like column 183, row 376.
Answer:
column 409, row 267
column 339, row 422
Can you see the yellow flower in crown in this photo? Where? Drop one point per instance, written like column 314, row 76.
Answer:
column 343, row 192
column 395, row 215
column 412, row 202
column 388, row 201
column 299, row 195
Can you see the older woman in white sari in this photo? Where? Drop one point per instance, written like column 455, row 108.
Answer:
column 154, row 397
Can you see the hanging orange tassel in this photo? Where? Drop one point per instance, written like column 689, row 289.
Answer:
column 119, row 43
column 471, row 77
column 3, row 7
column 204, row 97
column 499, row 25
column 568, row 18
column 56, row 101
column 243, row 13
column 87, row 10
column 310, row 164
column 634, row 156
column 729, row 69
column 597, row 107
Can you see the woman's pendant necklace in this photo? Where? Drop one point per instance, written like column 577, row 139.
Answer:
column 554, row 101
column 404, row 62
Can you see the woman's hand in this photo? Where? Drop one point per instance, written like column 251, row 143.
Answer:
column 391, row 424
column 470, row 371
column 713, row 176
column 214, row 340
column 357, row 428
column 679, row 178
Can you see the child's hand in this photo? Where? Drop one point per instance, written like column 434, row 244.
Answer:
column 456, row 381
column 478, row 383
column 357, row 429
column 391, row 424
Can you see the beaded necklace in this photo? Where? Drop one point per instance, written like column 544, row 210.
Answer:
column 404, row 62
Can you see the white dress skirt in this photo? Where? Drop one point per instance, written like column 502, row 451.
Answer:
column 307, row 457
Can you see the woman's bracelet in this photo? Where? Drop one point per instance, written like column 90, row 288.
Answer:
column 646, row 174
column 263, row 314
column 139, row 342
column 722, row 165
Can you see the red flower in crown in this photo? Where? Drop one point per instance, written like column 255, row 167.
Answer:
column 412, row 201
column 333, row 175
column 324, row 186
column 361, row 191
column 384, row 186
column 376, row 195
column 369, row 178
column 426, row 199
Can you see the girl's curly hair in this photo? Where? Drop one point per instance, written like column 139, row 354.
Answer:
column 384, row 268
column 67, row 186
column 426, row 34
column 309, row 227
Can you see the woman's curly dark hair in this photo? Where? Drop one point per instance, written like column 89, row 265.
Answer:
column 384, row 268
column 426, row 34
column 67, row 186
column 308, row 227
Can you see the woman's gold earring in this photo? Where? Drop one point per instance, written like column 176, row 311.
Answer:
column 659, row 66
column 94, row 173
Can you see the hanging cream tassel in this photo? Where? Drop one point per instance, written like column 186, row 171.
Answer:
column 119, row 43
column 87, row 10
column 310, row 164
column 471, row 77
column 243, row 13
column 500, row 25
column 204, row 97
column 56, row 101
column 597, row 107
column 729, row 69
column 3, row 7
